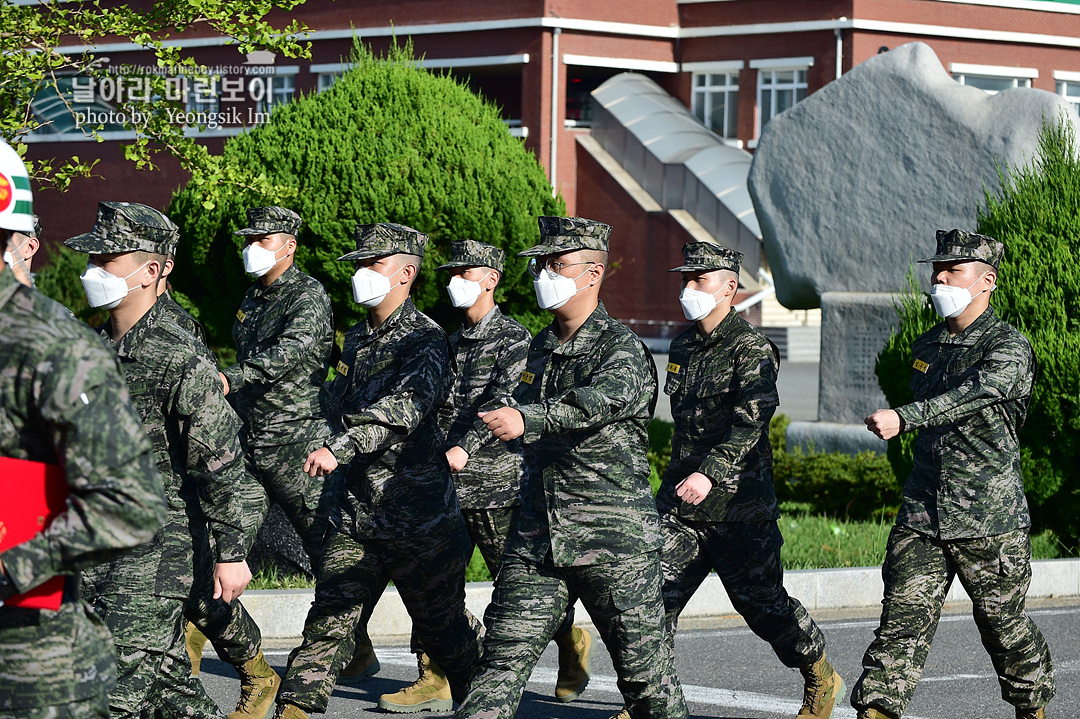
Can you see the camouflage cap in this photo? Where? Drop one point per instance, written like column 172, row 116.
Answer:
column 565, row 234
column 268, row 220
column 386, row 238
column 961, row 245
column 473, row 253
column 127, row 227
column 706, row 256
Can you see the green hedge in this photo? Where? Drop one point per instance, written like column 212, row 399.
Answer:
column 1037, row 216
column 387, row 142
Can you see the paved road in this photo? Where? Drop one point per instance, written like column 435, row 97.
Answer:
column 728, row 673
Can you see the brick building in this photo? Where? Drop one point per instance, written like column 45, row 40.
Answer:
column 732, row 64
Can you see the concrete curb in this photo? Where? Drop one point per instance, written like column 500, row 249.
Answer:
column 280, row 613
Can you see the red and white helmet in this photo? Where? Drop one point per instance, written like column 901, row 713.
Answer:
column 16, row 200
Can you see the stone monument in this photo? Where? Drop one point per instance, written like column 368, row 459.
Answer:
column 850, row 186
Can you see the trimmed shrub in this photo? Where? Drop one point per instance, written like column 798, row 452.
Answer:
column 1037, row 217
column 388, row 142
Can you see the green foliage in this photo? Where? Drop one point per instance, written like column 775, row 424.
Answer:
column 1037, row 216
column 818, row 541
column 387, row 142
column 31, row 61
column 477, row 570
column 860, row 486
column 660, row 433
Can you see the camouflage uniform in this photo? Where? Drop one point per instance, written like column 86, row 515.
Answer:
column 964, row 512
column 283, row 335
column 63, row 401
column 588, row 525
column 723, row 394
column 490, row 358
column 177, row 393
column 232, row 631
column 401, row 514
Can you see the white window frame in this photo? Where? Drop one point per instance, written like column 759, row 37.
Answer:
column 964, row 72
column 1067, row 84
column 767, row 69
column 192, row 103
column 281, row 91
column 703, row 96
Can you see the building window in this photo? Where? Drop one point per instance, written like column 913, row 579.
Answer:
column 992, row 84
column 202, row 94
column 715, row 101
column 327, row 79
column 73, row 101
column 1069, row 88
column 778, row 90
column 276, row 90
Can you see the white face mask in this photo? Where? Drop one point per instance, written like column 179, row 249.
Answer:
column 103, row 288
column 555, row 290
column 369, row 288
column 9, row 257
column 259, row 260
column 463, row 292
column 697, row 305
column 950, row 301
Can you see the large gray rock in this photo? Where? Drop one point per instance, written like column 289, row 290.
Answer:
column 850, row 184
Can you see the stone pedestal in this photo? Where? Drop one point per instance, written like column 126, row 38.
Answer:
column 854, row 328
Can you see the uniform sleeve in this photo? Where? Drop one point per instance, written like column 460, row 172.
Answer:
column 1005, row 373
column 210, row 429
column 757, row 400
column 115, row 498
column 621, row 384
column 509, row 365
column 305, row 327
column 420, row 384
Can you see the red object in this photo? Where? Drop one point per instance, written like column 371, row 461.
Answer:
column 34, row 493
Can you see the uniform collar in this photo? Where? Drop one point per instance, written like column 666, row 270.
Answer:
column 972, row 333
column 484, row 328
column 287, row 277
column 722, row 330
column 405, row 309
column 586, row 338
column 130, row 343
column 8, row 285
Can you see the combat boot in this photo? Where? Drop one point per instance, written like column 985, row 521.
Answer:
column 575, row 650
column 289, row 711
column 194, row 642
column 822, row 689
column 872, row 713
column 258, row 688
column 431, row 692
column 1039, row 713
column 624, row 714
column 364, row 664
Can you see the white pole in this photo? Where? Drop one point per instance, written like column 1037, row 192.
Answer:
column 839, row 50
column 554, row 108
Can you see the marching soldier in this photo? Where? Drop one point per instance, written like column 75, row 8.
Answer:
column 283, row 334
column 63, row 403
column 401, row 520
column 19, row 251
column 717, row 502
column 177, row 393
column 964, row 511
column 588, row 525
column 490, row 350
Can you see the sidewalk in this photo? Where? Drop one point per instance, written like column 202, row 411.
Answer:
column 280, row 613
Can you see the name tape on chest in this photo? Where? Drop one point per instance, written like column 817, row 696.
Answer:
column 673, row 368
column 921, row 366
column 342, row 369
column 528, row 377
column 240, row 316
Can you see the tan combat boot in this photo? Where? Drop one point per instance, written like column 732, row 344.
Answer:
column 1039, row 713
column 289, row 711
column 364, row 664
column 822, row 689
column 258, row 687
column 575, row 650
column 194, row 642
column 872, row 713
column 624, row 714
column 431, row 692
